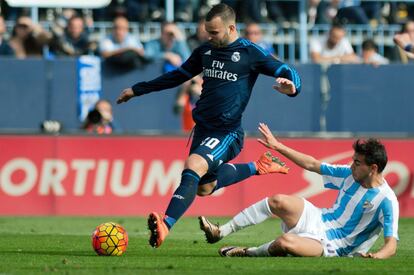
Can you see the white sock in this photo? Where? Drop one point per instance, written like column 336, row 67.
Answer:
column 254, row 214
column 261, row 251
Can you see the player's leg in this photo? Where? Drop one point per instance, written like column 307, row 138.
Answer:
column 229, row 174
column 206, row 154
column 295, row 245
column 288, row 208
column 222, row 174
column 291, row 244
column 303, row 227
column 254, row 214
column 218, row 149
column 159, row 226
column 195, row 167
column 226, row 175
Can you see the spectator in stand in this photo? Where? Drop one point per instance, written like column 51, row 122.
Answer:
column 373, row 10
column 254, row 33
column 403, row 40
column 275, row 12
column 405, row 43
column 74, row 41
column 333, row 48
column 62, row 18
column 8, row 12
column 290, row 10
column 100, row 120
column 351, row 12
column 190, row 91
column 5, row 48
column 370, row 54
column 187, row 96
column 121, row 48
column 249, row 10
column 313, row 11
column 28, row 39
column 200, row 37
column 114, row 9
column 184, row 10
column 145, row 10
column 326, row 11
column 170, row 47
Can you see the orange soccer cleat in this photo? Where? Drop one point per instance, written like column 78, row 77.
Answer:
column 269, row 164
column 158, row 229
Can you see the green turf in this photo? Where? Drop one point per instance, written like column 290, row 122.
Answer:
column 62, row 245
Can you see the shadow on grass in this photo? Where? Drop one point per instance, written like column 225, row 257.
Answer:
column 139, row 254
column 50, row 253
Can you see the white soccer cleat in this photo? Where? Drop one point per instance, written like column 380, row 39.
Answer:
column 233, row 251
column 211, row 230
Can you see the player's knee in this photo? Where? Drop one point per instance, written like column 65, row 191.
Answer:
column 277, row 202
column 203, row 193
column 205, row 190
column 197, row 164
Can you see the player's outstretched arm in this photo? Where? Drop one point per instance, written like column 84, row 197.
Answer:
column 305, row 161
column 284, row 86
column 125, row 95
column 387, row 250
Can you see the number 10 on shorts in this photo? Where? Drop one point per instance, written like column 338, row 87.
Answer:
column 210, row 142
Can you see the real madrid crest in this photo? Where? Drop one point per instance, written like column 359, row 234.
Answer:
column 235, row 57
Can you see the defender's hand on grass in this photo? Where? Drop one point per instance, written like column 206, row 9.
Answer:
column 269, row 139
column 126, row 95
column 284, row 86
column 369, row 255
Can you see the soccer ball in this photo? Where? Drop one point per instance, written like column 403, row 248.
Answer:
column 109, row 239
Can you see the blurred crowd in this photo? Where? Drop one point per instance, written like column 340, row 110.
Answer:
column 71, row 32
column 261, row 11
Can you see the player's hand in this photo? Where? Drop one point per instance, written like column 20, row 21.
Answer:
column 268, row 140
column 284, row 86
column 126, row 95
column 369, row 255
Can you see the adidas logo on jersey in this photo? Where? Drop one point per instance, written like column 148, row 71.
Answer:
column 207, row 52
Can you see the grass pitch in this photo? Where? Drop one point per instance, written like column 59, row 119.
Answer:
column 62, row 245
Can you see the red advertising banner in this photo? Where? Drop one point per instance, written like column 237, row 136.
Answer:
column 41, row 175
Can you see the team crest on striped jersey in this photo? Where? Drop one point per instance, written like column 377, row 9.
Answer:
column 367, row 204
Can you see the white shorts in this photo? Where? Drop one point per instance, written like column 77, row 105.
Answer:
column 310, row 225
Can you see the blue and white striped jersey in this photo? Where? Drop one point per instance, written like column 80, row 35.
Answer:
column 359, row 214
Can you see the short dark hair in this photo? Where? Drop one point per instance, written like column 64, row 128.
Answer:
column 369, row 44
column 337, row 25
column 225, row 12
column 374, row 152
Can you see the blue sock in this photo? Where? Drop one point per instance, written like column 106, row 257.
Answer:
column 182, row 198
column 229, row 174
